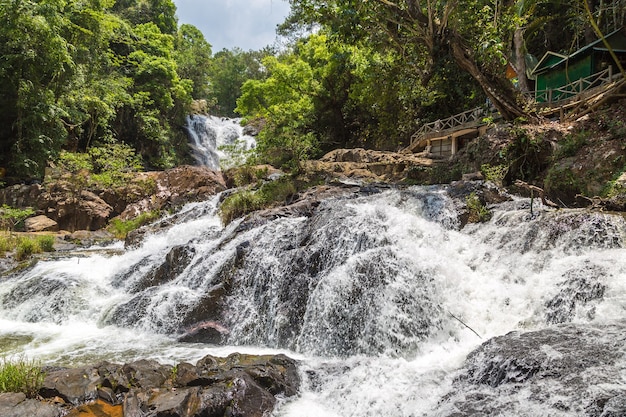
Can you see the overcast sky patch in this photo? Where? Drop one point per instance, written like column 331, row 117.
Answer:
column 247, row 24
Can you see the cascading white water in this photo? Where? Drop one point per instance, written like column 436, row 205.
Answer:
column 213, row 139
column 380, row 296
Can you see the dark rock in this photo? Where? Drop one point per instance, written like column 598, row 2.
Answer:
column 207, row 310
column 570, row 368
column 205, row 332
column 74, row 386
column 146, row 373
column 249, row 399
column 581, row 286
column 177, row 259
column 183, row 402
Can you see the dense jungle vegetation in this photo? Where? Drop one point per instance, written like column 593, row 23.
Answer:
column 79, row 75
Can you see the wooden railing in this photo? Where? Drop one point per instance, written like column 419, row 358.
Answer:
column 474, row 117
column 575, row 88
column 469, row 118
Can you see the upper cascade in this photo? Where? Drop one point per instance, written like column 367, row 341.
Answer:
column 208, row 135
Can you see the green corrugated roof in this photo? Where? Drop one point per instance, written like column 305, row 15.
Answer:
column 616, row 39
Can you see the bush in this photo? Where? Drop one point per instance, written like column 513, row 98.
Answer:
column 11, row 217
column 25, row 246
column 477, row 211
column 21, row 375
column 246, row 201
column 121, row 228
column 494, row 173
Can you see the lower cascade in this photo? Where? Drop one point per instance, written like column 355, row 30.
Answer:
column 390, row 305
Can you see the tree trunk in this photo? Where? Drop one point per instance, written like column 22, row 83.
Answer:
column 500, row 91
column 520, row 62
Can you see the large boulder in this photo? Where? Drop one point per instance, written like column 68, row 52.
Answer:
column 366, row 165
column 40, row 224
column 572, row 370
column 176, row 187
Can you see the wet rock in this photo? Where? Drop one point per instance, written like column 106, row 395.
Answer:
column 177, row 259
column 580, row 287
column 17, row 405
column 146, row 373
column 562, row 370
column 205, row 332
column 366, row 165
column 98, row 409
column 74, row 386
column 208, row 309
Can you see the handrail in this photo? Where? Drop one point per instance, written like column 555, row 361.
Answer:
column 473, row 117
column 574, row 88
column 467, row 118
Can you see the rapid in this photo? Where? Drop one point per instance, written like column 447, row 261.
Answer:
column 381, row 294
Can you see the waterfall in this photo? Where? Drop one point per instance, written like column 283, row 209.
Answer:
column 383, row 298
column 214, row 139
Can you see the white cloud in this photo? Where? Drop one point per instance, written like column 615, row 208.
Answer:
column 248, row 24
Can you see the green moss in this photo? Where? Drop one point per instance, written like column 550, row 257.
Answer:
column 21, row 375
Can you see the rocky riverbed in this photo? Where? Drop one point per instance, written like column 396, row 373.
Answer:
column 238, row 385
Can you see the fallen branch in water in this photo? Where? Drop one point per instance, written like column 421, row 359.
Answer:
column 542, row 193
column 461, row 321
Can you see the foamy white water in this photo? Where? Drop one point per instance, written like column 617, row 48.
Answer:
column 211, row 136
column 381, row 296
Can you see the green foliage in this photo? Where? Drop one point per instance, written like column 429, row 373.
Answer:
column 571, row 144
column 21, row 375
column 228, row 71
column 494, row 173
column 75, row 73
column 527, row 155
column 269, row 194
column 478, row 212
column 121, row 228
column 25, row 246
column 11, row 217
column 104, row 166
column 247, row 174
column 560, row 179
column 237, row 153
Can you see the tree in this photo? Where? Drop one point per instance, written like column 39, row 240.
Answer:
column 35, row 56
column 473, row 32
column 193, row 56
column 228, row 71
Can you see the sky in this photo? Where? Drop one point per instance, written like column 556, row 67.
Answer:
column 247, row 24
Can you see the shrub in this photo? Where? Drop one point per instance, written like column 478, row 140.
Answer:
column 121, row 228
column 25, row 246
column 45, row 243
column 494, row 173
column 246, row 201
column 476, row 209
column 21, row 375
column 11, row 217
